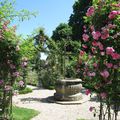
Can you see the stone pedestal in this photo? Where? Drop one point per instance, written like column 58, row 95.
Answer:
column 68, row 90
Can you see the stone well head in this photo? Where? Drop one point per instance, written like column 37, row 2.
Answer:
column 68, row 90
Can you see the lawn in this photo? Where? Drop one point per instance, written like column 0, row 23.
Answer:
column 23, row 113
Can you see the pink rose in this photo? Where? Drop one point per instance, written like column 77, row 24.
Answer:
column 115, row 67
column 93, row 49
column 90, row 11
column 112, row 14
column 115, row 56
column 111, row 26
column 21, row 83
column 82, row 53
column 1, row 82
column 16, row 74
column 87, row 92
column 109, row 65
column 100, row 45
column 103, row 95
column 104, row 74
column 102, row 53
column 85, row 37
column 94, row 43
column 109, row 50
column 96, row 35
column 95, row 64
column 91, row 74
column 91, row 108
column 105, row 34
column 84, row 46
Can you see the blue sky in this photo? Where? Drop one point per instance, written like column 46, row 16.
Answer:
column 51, row 13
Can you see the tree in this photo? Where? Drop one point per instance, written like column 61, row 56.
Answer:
column 76, row 20
column 62, row 31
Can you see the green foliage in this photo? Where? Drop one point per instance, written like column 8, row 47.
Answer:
column 76, row 20
column 8, row 11
column 25, row 90
column 23, row 113
column 62, row 31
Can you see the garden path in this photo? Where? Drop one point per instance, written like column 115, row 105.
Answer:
column 51, row 111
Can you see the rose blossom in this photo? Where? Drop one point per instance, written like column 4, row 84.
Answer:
column 87, row 92
column 104, row 74
column 115, row 56
column 109, row 50
column 90, row 11
column 103, row 95
column 100, row 45
column 16, row 74
column 115, row 67
column 96, row 35
column 91, row 108
column 85, row 37
column 8, row 87
column 94, row 43
column 1, row 82
column 112, row 14
column 102, row 53
column 95, row 64
column 105, row 34
column 91, row 74
column 21, row 83
column 109, row 65
column 82, row 53
column 84, row 46
column 111, row 26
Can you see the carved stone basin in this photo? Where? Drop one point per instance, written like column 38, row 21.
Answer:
column 68, row 90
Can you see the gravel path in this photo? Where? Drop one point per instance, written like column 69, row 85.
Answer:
column 51, row 111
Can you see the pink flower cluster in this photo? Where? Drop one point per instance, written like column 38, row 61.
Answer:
column 87, row 92
column 85, row 37
column 103, row 95
column 21, row 83
column 90, row 11
column 1, row 82
column 113, row 14
column 104, row 74
column 96, row 35
column 111, row 51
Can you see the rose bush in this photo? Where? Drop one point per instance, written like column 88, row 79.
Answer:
column 101, row 59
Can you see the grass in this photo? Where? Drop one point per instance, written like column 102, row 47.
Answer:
column 23, row 113
column 25, row 91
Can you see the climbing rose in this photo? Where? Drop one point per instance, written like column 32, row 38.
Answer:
column 103, row 95
column 85, row 37
column 109, row 50
column 8, row 87
column 94, row 43
column 105, row 34
column 91, row 108
column 104, row 74
column 84, row 46
column 95, row 64
column 115, row 56
column 87, row 92
column 90, row 11
column 1, row 82
column 109, row 65
column 96, row 35
column 100, row 45
column 82, row 53
column 21, row 83
column 91, row 74
column 112, row 14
